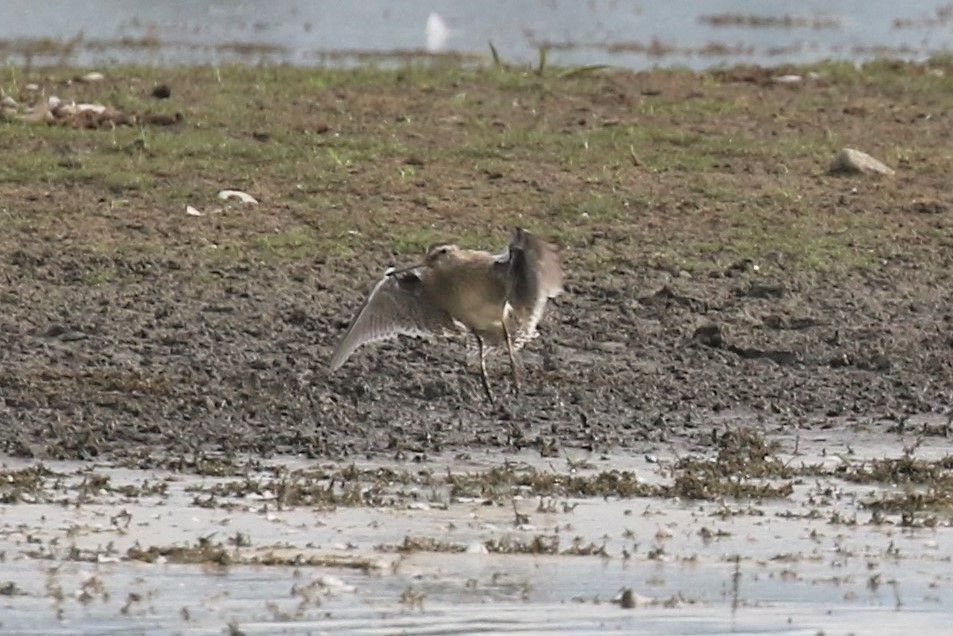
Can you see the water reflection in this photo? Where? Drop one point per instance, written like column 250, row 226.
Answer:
column 631, row 34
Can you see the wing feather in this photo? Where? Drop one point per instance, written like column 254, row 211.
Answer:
column 398, row 305
column 535, row 275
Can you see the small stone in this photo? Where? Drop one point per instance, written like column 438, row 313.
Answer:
column 850, row 161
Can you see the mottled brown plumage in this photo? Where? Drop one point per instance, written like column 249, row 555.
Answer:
column 499, row 298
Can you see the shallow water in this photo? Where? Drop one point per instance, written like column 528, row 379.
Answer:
column 628, row 34
column 810, row 562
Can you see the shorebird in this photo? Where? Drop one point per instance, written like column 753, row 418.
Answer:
column 499, row 298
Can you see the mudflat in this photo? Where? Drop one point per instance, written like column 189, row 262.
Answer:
column 753, row 352
column 714, row 266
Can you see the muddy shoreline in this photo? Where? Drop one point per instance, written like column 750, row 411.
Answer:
column 581, row 544
column 708, row 274
column 715, row 270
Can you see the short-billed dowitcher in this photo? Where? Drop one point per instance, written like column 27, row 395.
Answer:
column 499, row 298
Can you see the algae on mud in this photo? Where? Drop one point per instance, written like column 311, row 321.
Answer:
column 101, row 547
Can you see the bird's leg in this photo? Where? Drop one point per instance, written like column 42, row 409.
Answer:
column 483, row 378
column 514, row 368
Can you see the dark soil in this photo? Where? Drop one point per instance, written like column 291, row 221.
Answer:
column 141, row 355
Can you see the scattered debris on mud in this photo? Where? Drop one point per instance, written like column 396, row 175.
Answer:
column 77, row 536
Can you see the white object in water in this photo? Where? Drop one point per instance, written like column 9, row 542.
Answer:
column 437, row 33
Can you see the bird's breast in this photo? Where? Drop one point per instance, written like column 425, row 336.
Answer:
column 470, row 295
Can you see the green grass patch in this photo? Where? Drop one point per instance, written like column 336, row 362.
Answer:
column 346, row 160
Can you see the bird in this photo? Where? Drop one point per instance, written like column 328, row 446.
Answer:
column 497, row 297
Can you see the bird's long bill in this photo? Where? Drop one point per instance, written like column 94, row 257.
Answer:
column 395, row 272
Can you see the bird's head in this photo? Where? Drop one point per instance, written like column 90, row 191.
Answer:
column 440, row 253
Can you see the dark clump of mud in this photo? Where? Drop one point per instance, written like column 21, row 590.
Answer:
column 163, row 355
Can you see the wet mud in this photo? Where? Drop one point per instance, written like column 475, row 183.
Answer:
column 165, row 366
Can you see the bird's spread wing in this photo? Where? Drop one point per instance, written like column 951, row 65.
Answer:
column 535, row 275
column 397, row 305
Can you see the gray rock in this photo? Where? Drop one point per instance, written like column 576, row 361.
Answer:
column 850, row 161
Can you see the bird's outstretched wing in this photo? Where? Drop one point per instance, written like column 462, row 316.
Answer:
column 534, row 275
column 397, row 305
